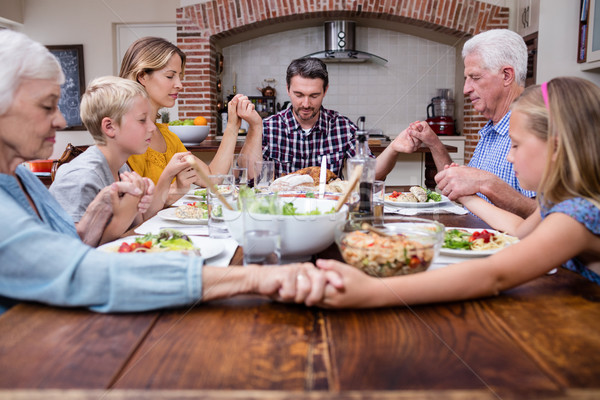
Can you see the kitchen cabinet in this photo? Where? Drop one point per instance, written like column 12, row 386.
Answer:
column 458, row 142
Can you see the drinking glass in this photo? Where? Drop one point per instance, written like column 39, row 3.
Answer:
column 378, row 201
column 239, row 170
column 217, row 227
column 264, row 173
column 261, row 239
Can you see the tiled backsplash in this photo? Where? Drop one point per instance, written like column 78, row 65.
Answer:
column 389, row 96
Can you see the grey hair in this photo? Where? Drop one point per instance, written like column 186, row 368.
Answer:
column 22, row 59
column 497, row 48
column 308, row 67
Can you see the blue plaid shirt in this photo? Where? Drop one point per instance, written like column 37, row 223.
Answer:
column 491, row 151
column 292, row 149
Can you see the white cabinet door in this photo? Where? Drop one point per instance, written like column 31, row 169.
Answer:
column 459, row 143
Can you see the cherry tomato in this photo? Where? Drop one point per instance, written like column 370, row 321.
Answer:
column 125, row 248
column 414, row 262
column 484, row 234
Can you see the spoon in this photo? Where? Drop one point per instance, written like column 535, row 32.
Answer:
column 353, row 181
column 368, row 227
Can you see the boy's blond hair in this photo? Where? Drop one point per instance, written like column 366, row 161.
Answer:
column 107, row 96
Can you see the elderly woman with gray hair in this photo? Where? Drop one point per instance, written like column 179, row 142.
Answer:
column 42, row 257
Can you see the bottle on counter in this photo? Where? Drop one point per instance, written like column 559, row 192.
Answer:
column 363, row 157
column 223, row 118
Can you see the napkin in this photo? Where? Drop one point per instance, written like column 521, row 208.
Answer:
column 447, row 208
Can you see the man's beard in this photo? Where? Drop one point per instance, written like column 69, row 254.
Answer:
column 312, row 115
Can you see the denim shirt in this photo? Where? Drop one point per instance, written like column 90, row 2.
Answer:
column 44, row 260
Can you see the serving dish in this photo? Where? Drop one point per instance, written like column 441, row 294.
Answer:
column 302, row 236
column 190, row 134
column 395, row 246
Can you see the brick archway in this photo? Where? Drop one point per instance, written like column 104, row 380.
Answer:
column 201, row 26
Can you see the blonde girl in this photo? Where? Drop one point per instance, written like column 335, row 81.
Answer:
column 159, row 65
column 555, row 151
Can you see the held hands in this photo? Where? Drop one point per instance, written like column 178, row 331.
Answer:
column 184, row 174
column 421, row 131
column 410, row 139
column 125, row 200
column 299, row 283
column 145, row 185
column 241, row 108
column 456, row 181
column 356, row 290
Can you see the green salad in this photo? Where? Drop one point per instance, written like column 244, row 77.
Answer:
column 270, row 205
column 457, row 239
column 166, row 239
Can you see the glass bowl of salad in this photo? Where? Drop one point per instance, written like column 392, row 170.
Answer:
column 306, row 225
column 395, row 246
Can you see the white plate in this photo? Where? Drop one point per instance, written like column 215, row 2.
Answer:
column 208, row 247
column 225, row 191
column 191, row 195
column 471, row 253
column 169, row 215
column 409, row 204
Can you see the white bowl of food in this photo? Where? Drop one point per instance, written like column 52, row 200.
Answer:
column 309, row 231
column 190, row 134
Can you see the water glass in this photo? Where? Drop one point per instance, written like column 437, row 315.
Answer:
column 261, row 238
column 217, row 227
column 239, row 170
column 264, row 173
column 378, row 201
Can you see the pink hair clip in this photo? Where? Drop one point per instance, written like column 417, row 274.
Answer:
column 545, row 94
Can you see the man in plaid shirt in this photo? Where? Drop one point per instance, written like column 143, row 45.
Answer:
column 495, row 71
column 301, row 135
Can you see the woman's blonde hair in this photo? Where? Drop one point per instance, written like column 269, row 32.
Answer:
column 108, row 96
column 570, row 125
column 148, row 54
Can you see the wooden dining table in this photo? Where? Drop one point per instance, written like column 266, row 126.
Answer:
column 539, row 340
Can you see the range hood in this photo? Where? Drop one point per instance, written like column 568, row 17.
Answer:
column 339, row 45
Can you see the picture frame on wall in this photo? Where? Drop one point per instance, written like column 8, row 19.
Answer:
column 70, row 58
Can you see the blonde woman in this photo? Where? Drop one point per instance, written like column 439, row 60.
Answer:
column 159, row 66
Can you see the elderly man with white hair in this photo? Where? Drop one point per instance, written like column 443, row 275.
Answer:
column 495, row 70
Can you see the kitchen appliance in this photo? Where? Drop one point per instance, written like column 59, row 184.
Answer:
column 339, row 45
column 440, row 113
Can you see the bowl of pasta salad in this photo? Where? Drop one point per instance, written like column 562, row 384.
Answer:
column 396, row 245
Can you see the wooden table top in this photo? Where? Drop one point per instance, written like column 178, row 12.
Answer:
column 540, row 340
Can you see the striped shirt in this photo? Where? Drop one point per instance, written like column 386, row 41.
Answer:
column 285, row 142
column 491, row 151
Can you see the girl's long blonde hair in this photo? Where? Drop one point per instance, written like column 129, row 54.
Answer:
column 570, row 124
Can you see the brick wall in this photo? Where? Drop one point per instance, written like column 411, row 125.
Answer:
column 201, row 26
